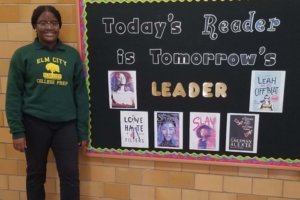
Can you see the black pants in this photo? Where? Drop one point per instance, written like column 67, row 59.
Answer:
column 61, row 137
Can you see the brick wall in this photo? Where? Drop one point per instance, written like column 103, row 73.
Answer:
column 122, row 179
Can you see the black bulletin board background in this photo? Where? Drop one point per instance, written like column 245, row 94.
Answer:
column 278, row 135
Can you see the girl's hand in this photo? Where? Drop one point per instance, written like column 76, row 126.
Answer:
column 83, row 143
column 20, row 144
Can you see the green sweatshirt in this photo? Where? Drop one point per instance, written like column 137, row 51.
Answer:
column 46, row 84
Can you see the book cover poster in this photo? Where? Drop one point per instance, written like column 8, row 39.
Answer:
column 242, row 132
column 122, row 89
column 204, row 131
column 134, row 129
column 267, row 91
column 168, row 129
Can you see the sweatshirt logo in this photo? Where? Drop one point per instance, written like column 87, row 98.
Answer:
column 54, row 70
column 52, row 73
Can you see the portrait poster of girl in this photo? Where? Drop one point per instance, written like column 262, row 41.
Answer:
column 204, row 131
column 122, row 89
column 168, row 129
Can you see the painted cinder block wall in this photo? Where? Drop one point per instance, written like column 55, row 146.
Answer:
column 123, row 179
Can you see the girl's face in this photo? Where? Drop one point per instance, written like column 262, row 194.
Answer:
column 47, row 29
column 168, row 130
column 122, row 79
column 267, row 99
column 204, row 132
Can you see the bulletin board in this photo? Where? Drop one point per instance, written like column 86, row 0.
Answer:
column 191, row 60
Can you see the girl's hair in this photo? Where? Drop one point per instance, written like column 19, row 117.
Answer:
column 168, row 121
column 115, row 82
column 40, row 9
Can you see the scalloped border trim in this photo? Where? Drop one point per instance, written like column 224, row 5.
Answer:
column 196, row 157
column 160, row 154
column 153, row 1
